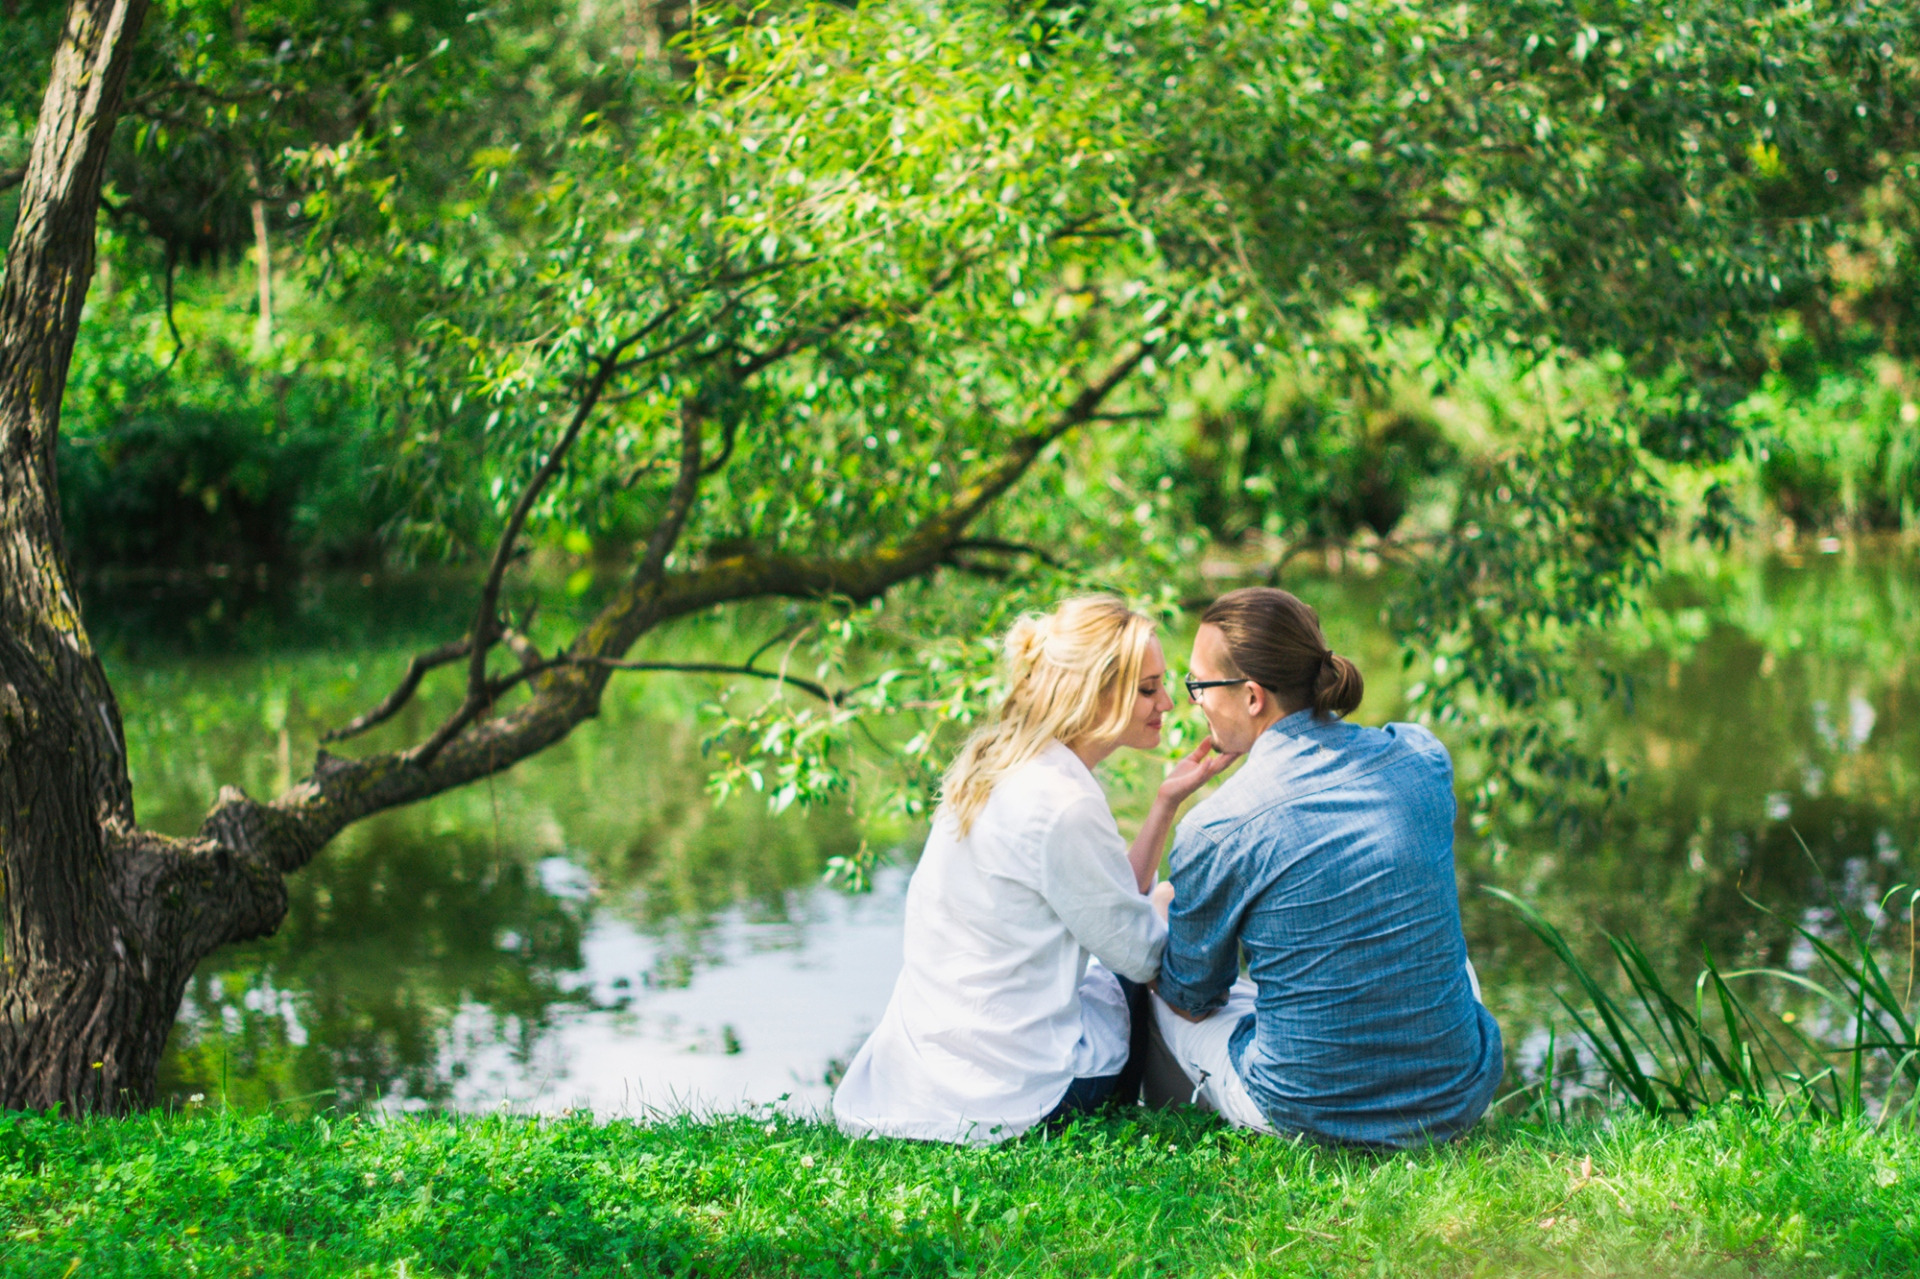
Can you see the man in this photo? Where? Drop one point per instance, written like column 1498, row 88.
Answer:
column 1328, row 858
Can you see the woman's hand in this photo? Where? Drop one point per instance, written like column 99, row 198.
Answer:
column 1188, row 776
column 1193, row 772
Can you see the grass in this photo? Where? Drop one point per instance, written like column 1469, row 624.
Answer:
column 1730, row 1192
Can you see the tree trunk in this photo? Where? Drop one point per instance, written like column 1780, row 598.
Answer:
column 85, row 1001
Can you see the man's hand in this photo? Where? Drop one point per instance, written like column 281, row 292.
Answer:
column 1177, row 1011
column 1162, row 898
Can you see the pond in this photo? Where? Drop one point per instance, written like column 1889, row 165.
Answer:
column 590, row 930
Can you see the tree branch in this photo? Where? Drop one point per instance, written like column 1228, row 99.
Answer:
column 686, row 486
column 666, row 313
column 523, row 648
column 137, row 103
column 12, row 178
column 659, row 352
column 1017, row 548
column 417, row 667
column 833, row 697
column 729, row 431
column 483, row 692
column 793, row 633
column 796, row 342
column 644, row 604
column 486, row 620
column 567, row 688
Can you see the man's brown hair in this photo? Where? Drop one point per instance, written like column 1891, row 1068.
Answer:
column 1275, row 640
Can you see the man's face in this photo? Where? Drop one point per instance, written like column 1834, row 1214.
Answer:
column 1232, row 710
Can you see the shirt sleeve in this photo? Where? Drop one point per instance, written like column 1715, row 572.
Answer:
column 1086, row 877
column 1203, row 928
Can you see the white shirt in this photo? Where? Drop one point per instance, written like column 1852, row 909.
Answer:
column 995, row 1012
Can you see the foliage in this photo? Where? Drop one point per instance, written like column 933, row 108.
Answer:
column 1254, row 194
column 1308, row 457
column 224, row 92
column 186, row 444
column 857, row 266
column 209, row 438
column 1158, row 1192
column 871, row 250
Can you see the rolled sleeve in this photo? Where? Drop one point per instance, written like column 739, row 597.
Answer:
column 1086, row 878
column 1202, row 958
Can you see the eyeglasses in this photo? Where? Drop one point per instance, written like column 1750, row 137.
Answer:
column 1194, row 686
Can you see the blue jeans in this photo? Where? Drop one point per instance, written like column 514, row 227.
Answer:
column 1084, row 1096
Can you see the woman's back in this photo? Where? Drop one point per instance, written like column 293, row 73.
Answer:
column 986, row 1029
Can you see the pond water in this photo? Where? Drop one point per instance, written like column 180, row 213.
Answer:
column 589, row 930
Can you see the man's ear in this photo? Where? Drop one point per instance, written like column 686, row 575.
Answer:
column 1259, row 699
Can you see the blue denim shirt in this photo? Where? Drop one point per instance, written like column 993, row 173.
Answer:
column 1329, row 857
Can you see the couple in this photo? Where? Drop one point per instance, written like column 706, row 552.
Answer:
column 1047, row 973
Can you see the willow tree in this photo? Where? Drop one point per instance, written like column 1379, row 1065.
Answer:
column 798, row 315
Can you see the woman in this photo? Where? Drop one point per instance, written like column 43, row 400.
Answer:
column 997, row 1022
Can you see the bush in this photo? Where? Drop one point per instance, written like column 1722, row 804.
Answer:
column 1841, row 450
column 1309, row 458
column 187, row 443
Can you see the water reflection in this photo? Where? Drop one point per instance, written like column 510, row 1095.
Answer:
column 589, row 930
column 388, row 938
column 1773, row 740
column 770, row 1014
column 463, row 950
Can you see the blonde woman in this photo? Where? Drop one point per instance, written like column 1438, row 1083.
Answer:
column 998, row 1021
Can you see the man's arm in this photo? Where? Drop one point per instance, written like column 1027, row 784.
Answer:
column 1202, row 958
column 1162, row 899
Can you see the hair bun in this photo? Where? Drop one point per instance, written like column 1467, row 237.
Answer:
column 1026, row 642
column 1274, row 639
column 1339, row 689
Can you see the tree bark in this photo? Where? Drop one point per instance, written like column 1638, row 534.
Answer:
column 103, row 922
column 75, row 972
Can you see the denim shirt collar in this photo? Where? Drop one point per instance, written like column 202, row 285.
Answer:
column 1284, row 729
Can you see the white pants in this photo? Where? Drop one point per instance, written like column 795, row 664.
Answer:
column 1197, row 1051
column 1188, row 1062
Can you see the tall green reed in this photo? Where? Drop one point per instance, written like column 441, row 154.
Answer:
column 1673, row 1055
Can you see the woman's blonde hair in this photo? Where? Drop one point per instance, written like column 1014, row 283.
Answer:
column 1068, row 676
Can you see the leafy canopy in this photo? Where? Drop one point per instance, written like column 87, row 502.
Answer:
column 873, row 249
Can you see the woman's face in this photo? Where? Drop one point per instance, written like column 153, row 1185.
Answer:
column 1150, row 701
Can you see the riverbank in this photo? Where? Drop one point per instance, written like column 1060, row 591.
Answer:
column 235, row 1194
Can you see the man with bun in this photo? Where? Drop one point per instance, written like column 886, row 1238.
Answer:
column 1328, row 860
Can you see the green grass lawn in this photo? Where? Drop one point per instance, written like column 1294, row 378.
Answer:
column 232, row 1194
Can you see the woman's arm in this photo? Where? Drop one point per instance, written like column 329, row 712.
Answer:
column 1151, row 843
column 1188, row 776
column 1085, row 878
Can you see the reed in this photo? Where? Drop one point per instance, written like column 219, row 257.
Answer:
column 1676, row 1054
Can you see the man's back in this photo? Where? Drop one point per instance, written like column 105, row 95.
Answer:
column 1329, row 856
